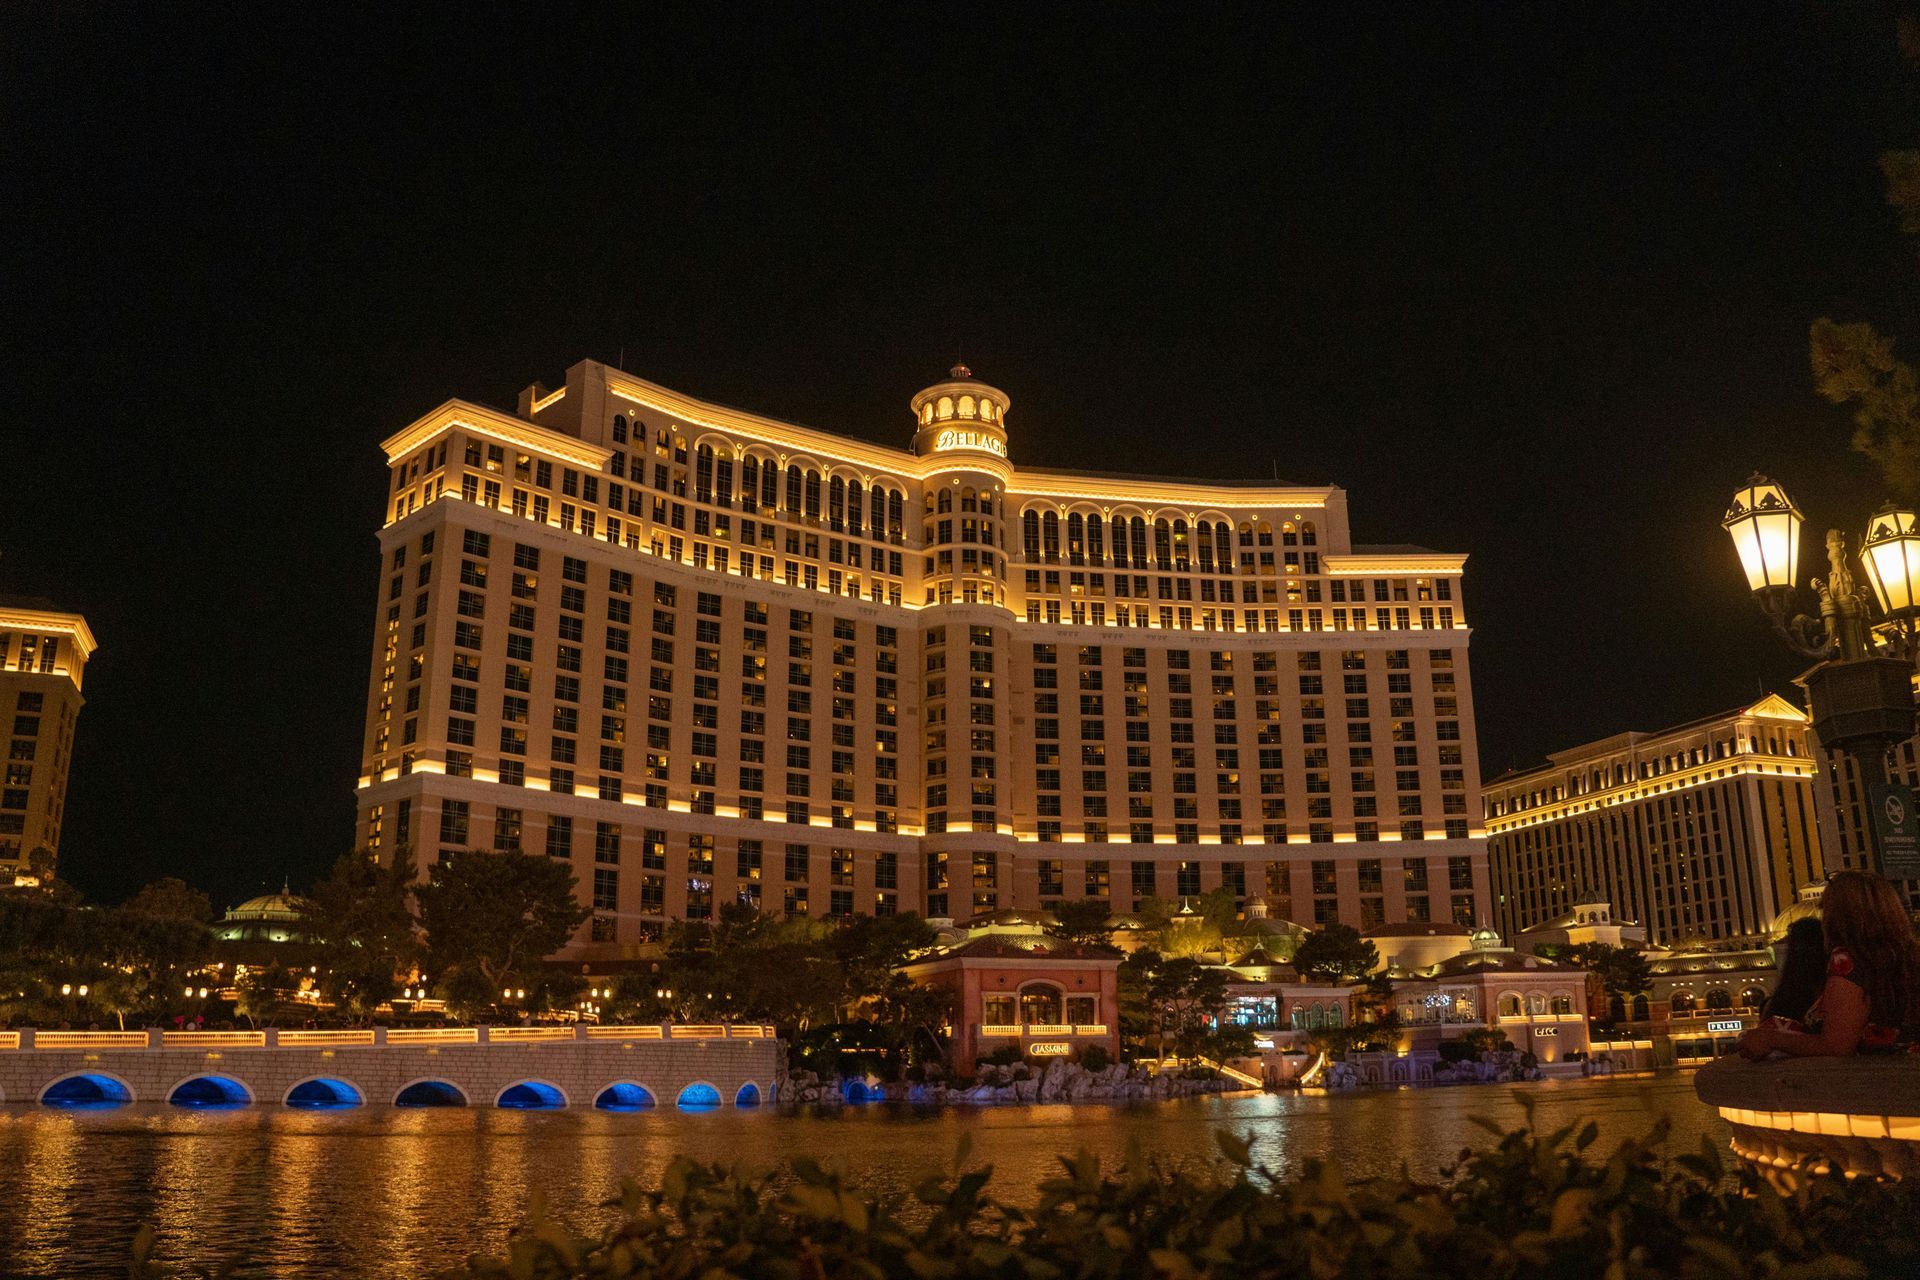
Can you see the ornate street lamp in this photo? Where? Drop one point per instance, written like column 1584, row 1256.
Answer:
column 1891, row 555
column 1860, row 690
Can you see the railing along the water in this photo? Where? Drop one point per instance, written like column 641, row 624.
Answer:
column 29, row 1038
column 1859, row 1115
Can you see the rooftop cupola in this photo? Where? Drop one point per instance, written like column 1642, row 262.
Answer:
column 960, row 415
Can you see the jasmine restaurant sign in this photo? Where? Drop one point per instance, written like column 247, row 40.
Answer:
column 954, row 438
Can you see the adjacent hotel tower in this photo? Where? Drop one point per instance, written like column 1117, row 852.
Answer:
column 705, row 655
column 43, row 656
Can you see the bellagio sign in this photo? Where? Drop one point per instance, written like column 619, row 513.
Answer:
column 954, row 438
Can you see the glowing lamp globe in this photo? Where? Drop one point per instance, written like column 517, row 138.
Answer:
column 1891, row 554
column 1765, row 528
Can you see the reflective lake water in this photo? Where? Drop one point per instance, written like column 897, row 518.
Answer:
column 401, row 1192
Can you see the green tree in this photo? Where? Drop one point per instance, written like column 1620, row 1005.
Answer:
column 496, row 915
column 1335, row 953
column 359, row 919
column 171, row 898
column 1854, row 364
column 1084, row 921
column 1188, row 998
column 867, row 950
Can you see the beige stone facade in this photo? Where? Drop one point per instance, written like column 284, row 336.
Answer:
column 705, row 655
column 580, row 1071
column 1702, row 832
column 43, row 658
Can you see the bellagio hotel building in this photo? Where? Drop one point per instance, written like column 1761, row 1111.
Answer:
column 703, row 655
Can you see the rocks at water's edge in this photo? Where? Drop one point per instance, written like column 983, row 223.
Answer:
column 1496, row 1068
column 1058, row 1081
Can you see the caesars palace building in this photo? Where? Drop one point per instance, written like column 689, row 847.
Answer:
column 703, row 655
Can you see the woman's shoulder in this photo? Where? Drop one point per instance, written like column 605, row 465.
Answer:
column 1841, row 964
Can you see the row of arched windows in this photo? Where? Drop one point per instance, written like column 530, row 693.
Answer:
column 957, row 407
column 1088, row 538
column 845, row 504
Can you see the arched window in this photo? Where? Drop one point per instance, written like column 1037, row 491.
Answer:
column 703, row 474
column 853, row 508
column 837, row 504
column 1076, row 539
column 1752, row 998
column 1223, row 546
column 1137, row 536
column 1050, row 536
column 1040, row 1004
column 1030, row 534
column 794, row 485
column 966, row 406
column 1203, row 549
column 619, row 428
column 1642, row 1008
column 944, row 409
column 1560, row 1002
column 1181, row 560
column 1719, row 999
column 1536, row 1003
column 944, row 502
column 1334, row 1017
column 1683, row 1002
column 1511, row 1006
column 967, row 500
column 813, row 495
column 1162, row 544
column 769, row 485
column 896, row 522
column 1120, row 557
column 1096, row 543
column 1308, row 536
column 986, row 409
column 749, row 483
column 723, row 480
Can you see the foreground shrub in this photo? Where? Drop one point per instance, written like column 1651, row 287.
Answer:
column 1529, row 1206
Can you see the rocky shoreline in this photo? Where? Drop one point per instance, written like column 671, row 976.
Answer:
column 1058, row 1081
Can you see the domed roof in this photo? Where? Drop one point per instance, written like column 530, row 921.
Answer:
column 269, row 906
column 1807, row 907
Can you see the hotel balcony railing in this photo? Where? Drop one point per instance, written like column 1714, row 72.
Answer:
column 997, row 1032
column 1523, row 1018
column 397, row 1036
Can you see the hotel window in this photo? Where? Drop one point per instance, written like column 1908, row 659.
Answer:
column 453, row 822
column 1142, row 883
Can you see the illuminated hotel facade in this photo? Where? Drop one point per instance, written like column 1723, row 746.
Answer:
column 705, row 655
column 43, row 659
column 1702, row 832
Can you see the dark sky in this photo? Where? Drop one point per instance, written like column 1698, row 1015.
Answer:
column 1530, row 282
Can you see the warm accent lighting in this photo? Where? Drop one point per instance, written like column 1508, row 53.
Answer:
column 1765, row 528
column 1891, row 554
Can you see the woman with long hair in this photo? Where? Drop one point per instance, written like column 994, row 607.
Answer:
column 1871, row 998
column 1803, row 971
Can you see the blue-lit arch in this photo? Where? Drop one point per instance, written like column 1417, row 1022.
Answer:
column 625, row 1095
column 87, row 1089
column 748, row 1096
column 324, row 1093
column 431, row 1093
column 698, row 1096
column 531, row 1095
column 210, row 1091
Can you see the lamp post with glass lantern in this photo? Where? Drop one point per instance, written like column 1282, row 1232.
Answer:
column 1860, row 690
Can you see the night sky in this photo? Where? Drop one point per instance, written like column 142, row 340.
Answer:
column 1532, row 284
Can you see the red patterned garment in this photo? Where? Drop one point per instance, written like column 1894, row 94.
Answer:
column 1879, row 1037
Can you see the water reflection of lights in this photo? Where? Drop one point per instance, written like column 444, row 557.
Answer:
column 382, row 1190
